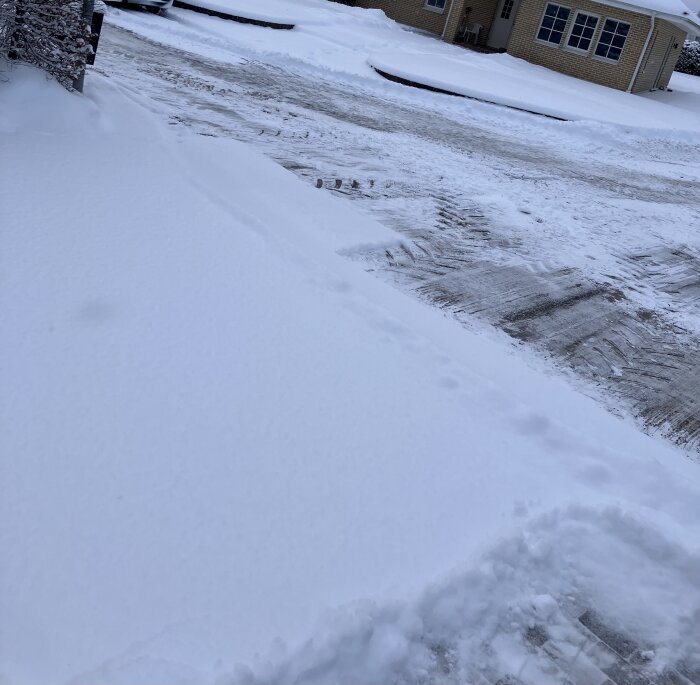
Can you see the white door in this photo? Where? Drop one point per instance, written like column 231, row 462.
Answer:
column 502, row 23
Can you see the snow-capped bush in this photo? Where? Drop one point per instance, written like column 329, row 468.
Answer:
column 50, row 34
column 689, row 61
column 7, row 20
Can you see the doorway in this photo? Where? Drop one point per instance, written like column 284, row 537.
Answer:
column 502, row 24
column 664, row 63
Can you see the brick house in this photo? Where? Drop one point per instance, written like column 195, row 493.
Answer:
column 631, row 46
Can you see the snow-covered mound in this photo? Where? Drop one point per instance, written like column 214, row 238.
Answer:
column 215, row 428
column 273, row 11
column 513, row 82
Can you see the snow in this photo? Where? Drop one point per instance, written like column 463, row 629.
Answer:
column 273, row 11
column 218, row 431
column 513, row 82
column 672, row 8
column 348, row 42
column 683, row 92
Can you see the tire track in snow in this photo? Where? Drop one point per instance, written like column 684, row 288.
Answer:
column 626, row 329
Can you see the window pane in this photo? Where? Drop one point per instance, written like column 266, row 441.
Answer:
column 618, row 41
column 582, row 31
column 553, row 23
column 612, row 39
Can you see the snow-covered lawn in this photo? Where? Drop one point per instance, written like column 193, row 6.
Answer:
column 351, row 40
column 516, row 83
column 683, row 93
column 216, row 429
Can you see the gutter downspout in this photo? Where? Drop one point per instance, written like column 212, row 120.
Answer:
column 447, row 21
column 644, row 52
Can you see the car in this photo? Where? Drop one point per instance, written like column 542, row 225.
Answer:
column 153, row 5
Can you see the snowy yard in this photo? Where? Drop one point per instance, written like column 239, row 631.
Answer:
column 435, row 420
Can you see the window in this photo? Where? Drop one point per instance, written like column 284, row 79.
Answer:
column 612, row 39
column 553, row 23
column 507, row 8
column 435, row 5
column 582, row 31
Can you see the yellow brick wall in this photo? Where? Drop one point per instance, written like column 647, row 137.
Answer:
column 664, row 34
column 411, row 12
column 455, row 15
column 523, row 43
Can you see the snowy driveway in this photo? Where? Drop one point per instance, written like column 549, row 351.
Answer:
column 578, row 240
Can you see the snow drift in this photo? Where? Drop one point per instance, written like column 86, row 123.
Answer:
column 216, row 430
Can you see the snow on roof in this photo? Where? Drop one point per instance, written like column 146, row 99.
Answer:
column 670, row 9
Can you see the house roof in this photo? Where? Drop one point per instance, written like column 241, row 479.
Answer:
column 675, row 11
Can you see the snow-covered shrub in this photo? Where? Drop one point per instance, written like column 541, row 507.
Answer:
column 50, row 34
column 7, row 21
column 689, row 61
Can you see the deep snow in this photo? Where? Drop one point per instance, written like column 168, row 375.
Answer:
column 513, row 82
column 217, row 428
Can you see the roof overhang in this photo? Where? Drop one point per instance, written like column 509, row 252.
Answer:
column 689, row 24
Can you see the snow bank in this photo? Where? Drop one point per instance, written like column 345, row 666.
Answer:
column 513, row 82
column 475, row 623
column 35, row 102
column 215, row 428
column 273, row 11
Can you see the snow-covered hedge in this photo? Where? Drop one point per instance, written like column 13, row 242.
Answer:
column 50, row 34
column 689, row 61
column 7, row 15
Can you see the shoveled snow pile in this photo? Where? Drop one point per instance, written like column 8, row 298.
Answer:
column 273, row 11
column 231, row 455
column 513, row 82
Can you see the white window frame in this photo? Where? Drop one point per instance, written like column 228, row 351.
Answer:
column 431, row 8
column 556, row 46
column 607, row 60
column 510, row 14
column 579, row 51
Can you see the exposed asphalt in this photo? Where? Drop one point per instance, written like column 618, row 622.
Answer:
column 638, row 359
